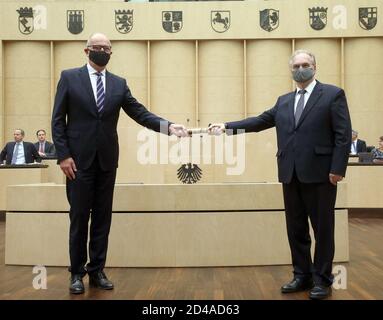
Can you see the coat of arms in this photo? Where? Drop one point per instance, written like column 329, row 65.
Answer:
column 75, row 21
column 172, row 21
column 220, row 21
column 189, row 173
column 368, row 17
column 124, row 20
column 318, row 17
column 26, row 20
column 269, row 19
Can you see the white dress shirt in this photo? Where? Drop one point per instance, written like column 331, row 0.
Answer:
column 353, row 147
column 309, row 89
column 93, row 79
column 20, row 155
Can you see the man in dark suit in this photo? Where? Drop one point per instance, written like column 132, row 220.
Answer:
column 84, row 129
column 19, row 151
column 313, row 136
column 357, row 145
column 45, row 148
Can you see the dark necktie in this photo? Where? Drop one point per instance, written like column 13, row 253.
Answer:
column 300, row 105
column 100, row 92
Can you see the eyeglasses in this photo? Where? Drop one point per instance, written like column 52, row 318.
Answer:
column 303, row 65
column 106, row 49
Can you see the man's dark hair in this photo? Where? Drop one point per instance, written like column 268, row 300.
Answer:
column 37, row 132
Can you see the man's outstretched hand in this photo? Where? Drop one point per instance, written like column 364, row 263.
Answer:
column 178, row 130
column 216, row 129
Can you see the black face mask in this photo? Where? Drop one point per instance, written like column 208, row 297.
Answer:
column 101, row 58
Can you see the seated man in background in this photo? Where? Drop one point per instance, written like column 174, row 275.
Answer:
column 377, row 153
column 45, row 148
column 19, row 151
column 357, row 145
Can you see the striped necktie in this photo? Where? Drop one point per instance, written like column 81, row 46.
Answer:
column 100, row 92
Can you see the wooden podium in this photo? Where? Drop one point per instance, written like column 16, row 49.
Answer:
column 168, row 225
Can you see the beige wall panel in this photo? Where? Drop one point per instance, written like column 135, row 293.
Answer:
column 25, row 59
column 368, row 126
column 129, row 60
column 220, row 80
column 363, row 85
column 132, row 168
column 268, row 74
column 30, row 124
column 1, row 95
column 27, row 87
column 268, row 77
column 260, row 161
column 328, row 57
column 68, row 55
column 172, row 68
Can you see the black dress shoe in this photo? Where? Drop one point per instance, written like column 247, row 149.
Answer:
column 320, row 292
column 99, row 280
column 296, row 285
column 76, row 285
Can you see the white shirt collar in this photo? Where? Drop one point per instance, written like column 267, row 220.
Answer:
column 92, row 70
column 309, row 88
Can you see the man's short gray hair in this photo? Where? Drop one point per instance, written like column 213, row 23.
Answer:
column 21, row 131
column 296, row 52
column 354, row 132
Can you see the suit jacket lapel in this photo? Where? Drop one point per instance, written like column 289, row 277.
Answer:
column 291, row 109
column 12, row 149
column 25, row 152
column 314, row 97
column 84, row 75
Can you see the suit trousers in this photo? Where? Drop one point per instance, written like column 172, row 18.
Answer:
column 90, row 195
column 315, row 201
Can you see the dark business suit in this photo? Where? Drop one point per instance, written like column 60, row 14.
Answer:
column 30, row 153
column 318, row 145
column 90, row 138
column 49, row 148
column 360, row 146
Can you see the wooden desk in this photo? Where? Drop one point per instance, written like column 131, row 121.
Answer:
column 364, row 185
column 23, row 166
column 18, row 174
